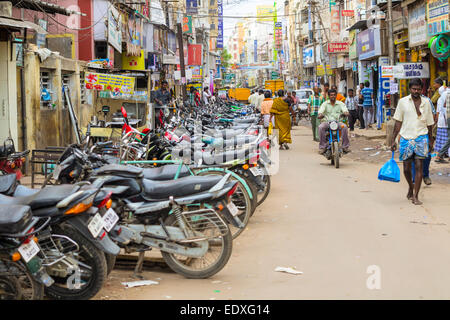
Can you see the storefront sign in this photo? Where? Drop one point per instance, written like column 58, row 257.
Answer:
column 417, row 28
column 369, row 44
column 213, row 18
column 348, row 13
column 195, row 55
column 278, row 35
column 387, row 71
column 170, row 59
column 109, row 82
column 338, row 47
column 264, row 13
column 321, row 72
column 347, row 63
column 40, row 37
column 437, row 17
column 353, row 49
column 412, row 70
column 219, row 44
column 196, row 72
column 308, row 56
column 133, row 62
column 115, row 28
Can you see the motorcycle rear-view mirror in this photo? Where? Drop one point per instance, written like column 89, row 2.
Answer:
column 124, row 112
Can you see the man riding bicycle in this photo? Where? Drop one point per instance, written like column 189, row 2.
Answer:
column 332, row 110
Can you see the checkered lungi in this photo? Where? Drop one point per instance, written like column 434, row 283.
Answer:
column 441, row 139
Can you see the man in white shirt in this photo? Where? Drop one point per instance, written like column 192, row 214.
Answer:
column 206, row 96
column 414, row 121
column 252, row 97
column 259, row 99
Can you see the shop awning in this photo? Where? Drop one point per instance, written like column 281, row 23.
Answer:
column 358, row 25
column 18, row 24
column 43, row 6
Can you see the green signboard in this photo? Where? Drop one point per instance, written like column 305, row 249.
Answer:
column 274, row 75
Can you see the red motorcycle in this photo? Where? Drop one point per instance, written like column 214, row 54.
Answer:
column 10, row 160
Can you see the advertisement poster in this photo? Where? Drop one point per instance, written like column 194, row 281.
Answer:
column 114, row 29
column 187, row 25
column 219, row 44
column 437, row 17
column 213, row 18
column 278, row 35
column 338, row 47
column 335, row 23
column 109, row 82
column 133, row 62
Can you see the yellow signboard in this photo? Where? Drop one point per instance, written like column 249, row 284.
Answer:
column 320, row 71
column 264, row 13
column 132, row 62
column 109, row 82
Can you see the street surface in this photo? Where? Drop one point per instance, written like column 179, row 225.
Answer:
column 331, row 224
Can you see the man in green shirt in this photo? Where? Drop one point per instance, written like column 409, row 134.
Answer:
column 314, row 103
column 331, row 110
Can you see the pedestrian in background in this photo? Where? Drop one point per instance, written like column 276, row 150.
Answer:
column 251, row 99
column 259, row 99
column 340, row 97
column 266, row 105
column 360, row 106
column 326, row 88
column 444, row 150
column 314, row 103
column 367, row 94
column 352, row 104
column 282, row 110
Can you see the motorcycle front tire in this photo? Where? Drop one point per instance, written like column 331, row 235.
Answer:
column 336, row 154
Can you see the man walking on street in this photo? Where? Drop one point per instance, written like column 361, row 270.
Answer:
column 314, row 103
column 444, row 151
column 413, row 121
column 352, row 103
column 259, row 99
column 367, row 93
column 162, row 99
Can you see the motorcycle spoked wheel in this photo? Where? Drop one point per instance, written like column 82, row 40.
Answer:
column 242, row 201
column 219, row 252
column 262, row 194
column 93, row 270
column 17, row 283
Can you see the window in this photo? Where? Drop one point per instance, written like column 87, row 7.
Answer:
column 47, row 95
column 65, row 81
column 83, row 95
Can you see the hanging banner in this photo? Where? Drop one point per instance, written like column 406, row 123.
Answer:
column 278, row 35
column 417, row 31
column 191, row 7
column 195, row 55
column 187, row 25
column 335, row 23
column 213, row 18
column 384, row 88
column 219, row 44
column 437, row 17
column 114, row 29
column 109, row 82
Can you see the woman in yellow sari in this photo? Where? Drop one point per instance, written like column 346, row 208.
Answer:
column 282, row 110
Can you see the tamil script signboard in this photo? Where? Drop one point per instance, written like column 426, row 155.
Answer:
column 409, row 70
column 109, row 82
column 437, row 17
column 338, row 47
column 417, row 30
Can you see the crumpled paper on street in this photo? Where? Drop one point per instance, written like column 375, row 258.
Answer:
column 288, row 270
column 133, row 284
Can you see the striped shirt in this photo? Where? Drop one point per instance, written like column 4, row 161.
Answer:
column 367, row 94
column 315, row 103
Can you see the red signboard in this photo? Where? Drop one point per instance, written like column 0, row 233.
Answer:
column 194, row 55
column 338, row 47
column 348, row 13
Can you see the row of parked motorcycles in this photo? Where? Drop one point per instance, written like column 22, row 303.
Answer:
column 187, row 189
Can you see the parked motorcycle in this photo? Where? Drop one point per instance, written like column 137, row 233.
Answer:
column 10, row 160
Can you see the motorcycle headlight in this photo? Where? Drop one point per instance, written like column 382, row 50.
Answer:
column 333, row 125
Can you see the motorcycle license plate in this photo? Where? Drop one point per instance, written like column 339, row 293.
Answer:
column 256, row 171
column 96, row 225
column 29, row 250
column 233, row 209
column 110, row 219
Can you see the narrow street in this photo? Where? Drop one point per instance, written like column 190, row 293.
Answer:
column 331, row 224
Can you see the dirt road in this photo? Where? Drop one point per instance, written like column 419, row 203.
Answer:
column 331, row 224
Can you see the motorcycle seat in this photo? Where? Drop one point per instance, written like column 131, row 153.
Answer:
column 46, row 197
column 13, row 218
column 8, row 183
column 119, row 170
column 216, row 158
column 166, row 172
column 162, row 190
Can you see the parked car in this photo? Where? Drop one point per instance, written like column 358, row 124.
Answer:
column 302, row 108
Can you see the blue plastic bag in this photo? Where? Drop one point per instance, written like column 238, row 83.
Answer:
column 390, row 171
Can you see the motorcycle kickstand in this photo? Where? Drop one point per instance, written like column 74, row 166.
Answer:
column 138, row 269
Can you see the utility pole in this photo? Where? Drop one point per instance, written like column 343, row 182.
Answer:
column 314, row 42
column 390, row 34
column 182, row 67
column 321, row 46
